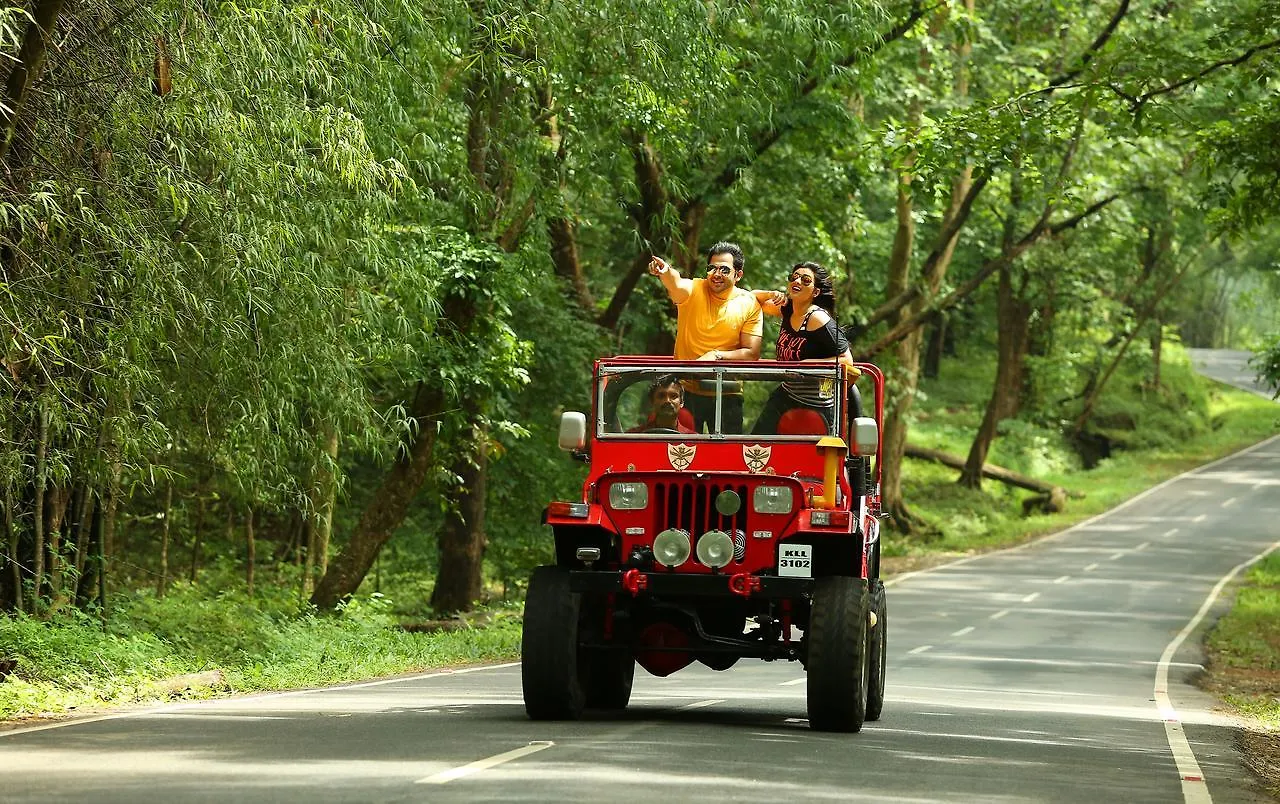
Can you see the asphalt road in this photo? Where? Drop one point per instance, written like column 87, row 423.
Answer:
column 1057, row 671
column 1229, row 366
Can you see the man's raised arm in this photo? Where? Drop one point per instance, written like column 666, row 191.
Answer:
column 678, row 288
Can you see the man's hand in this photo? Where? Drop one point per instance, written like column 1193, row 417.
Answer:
column 714, row 354
column 658, row 266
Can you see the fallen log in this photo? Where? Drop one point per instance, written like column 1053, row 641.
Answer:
column 989, row 470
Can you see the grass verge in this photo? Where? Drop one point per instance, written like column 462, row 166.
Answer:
column 1244, row 665
column 68, row 664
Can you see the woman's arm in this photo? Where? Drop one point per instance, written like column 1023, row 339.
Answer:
column 770, row 301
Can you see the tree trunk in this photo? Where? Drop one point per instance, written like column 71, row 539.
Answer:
column 462, row 541
column 25, row 71
column 163, row 581
column 319, row 525
column 386, row 510
column 251, row 550
column 1013, row 320
column 42, row 448
column 1157, row 341
column 905, row 380
column 936, row 341
column 201, row 507
column 107, row 544
column 11, row 534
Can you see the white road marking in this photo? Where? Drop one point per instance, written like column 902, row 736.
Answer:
column 444, row 777
column 920, row 649
column 1168, row 533
column 1230, row 502
column 1031, row 597
column 1201, row 518
column 1143, row 546
column 963, row 631
column 1194, row 787
column 1117, row 555
column 793, row 682
column 1198, row 471
column 1091, row 567
column 998, row 614
column 1062, row 579
column 701, row 704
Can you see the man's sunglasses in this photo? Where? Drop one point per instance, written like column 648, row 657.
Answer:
column 720, row 269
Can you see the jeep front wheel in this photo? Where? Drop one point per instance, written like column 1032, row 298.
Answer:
column 607, row 677
column 878, row 641
column 837, row 661
column 549, row 648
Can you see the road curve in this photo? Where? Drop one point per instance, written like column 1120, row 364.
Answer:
column 1031, row 674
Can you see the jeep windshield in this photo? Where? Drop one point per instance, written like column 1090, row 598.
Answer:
column 635, row 402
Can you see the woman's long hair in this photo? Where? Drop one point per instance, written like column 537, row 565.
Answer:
column 826, row 298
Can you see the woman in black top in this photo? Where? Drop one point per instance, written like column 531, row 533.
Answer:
column 809, row 332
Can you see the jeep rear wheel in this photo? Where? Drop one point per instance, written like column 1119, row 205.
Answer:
column 606, row 677
column 878, row 650
column 549, row 648
column 837, row 662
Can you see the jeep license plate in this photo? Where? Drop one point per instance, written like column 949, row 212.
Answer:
column 795, row 561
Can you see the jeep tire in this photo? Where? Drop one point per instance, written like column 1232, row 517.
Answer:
column 606, row 677
column 549, row 648
column 878, row 645
column 838, row 654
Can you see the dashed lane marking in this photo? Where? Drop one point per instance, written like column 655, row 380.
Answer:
column 1201, row 518
column 1062, row 579
column 1143, row 546
column 1091, row 568
column 1230, row 502
column 1031, row 597
column 1115, row 556
column 962, row 631
column 920, row 649
column 999, row 614
column 1168, row 533
column 444, row 777
column 701, row 704
column 793, row 682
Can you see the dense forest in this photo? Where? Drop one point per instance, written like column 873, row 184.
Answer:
column 293, row 292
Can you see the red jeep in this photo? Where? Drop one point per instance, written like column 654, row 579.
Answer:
column 714, row 546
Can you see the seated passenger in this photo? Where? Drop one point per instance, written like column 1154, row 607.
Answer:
column 666, row 408
column 808, row 333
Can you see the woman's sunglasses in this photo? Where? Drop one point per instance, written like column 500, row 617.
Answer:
column 803, row 279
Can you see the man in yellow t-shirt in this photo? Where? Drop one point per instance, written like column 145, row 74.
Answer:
column 717, row 320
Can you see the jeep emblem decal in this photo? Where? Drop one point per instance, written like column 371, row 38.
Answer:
column 680, row 455
column 756, row 456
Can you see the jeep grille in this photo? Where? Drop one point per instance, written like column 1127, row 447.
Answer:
column 691, row 506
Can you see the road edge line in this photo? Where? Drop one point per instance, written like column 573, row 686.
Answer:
column 1195, row 788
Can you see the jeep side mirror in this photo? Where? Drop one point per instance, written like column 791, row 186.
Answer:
column 866, row 435
column 573, row 430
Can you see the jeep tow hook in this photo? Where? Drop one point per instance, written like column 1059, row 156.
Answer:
column 744, row 583
column 633, row 580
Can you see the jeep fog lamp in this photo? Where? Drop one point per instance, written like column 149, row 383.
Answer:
column 771, row 500
column 715, row 548
column 671, row 547
column 628, row 496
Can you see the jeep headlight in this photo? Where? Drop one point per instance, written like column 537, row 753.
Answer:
column 628, row 496
column 715, row 548
column 771, row 500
